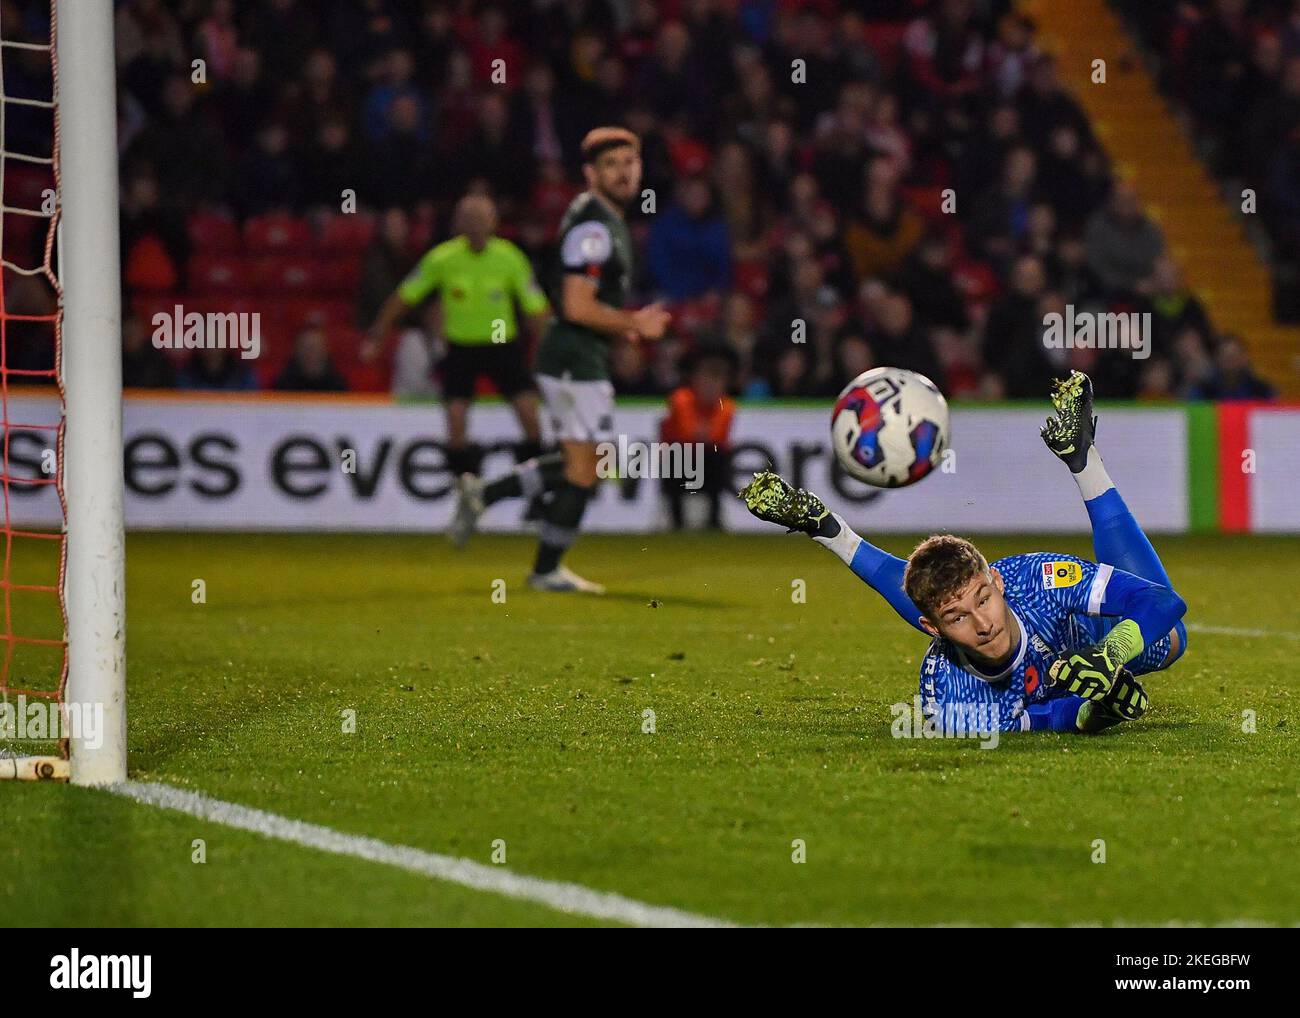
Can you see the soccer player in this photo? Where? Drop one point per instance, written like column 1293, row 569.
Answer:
column 1038, row 641
column 479, row 278
column 590, row 286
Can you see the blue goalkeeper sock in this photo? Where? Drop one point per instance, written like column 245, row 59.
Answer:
column 1117, row 540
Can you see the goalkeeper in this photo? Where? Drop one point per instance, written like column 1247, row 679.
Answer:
column 1031, row 642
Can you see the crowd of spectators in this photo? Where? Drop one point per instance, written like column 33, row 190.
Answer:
column 1234, row 65
column 836, row 185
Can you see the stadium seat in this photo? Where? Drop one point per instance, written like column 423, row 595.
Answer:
column 367, row 377
column 213, row 234
column 288, row 274
column 345, row 348
column 330, row 312
column 219, row 304
column 341, row 275
column 211, row 273
column 346, row 234
column 277, row 232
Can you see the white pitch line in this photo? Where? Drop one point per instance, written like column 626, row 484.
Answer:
column 1274, row 634
column 565, row 897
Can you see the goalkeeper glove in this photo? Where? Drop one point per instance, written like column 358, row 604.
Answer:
column 1091, row 672
column 1127, row 698
column 1088, row 673
column 1126, row 701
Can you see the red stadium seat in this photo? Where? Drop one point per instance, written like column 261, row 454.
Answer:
column 341, row 275
column 288, row 274
column 218, row 273
column 345, row 348
column 329, row 312
column 367, row 377
column 216, row 304
column 346, row 234
column 213, row 234
column 277, row 232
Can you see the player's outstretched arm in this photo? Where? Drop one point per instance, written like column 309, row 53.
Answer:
column 769, row 497
column 1147, row 611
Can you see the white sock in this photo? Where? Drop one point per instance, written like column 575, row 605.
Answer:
column 844, row 544
column 1093, row 479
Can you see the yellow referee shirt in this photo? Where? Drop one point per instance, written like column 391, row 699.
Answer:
column 478, row 289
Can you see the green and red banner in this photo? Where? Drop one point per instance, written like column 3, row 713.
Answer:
column 1257, row 450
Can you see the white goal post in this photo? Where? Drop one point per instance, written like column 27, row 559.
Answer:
column 94, row 581
column 73, row 158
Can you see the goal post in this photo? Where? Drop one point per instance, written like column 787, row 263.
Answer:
column 62, row 573
column 90, row 364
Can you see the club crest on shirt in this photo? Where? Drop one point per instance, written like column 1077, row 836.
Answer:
column 1061, row 574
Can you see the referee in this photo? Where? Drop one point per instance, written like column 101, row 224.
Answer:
column 479, row 278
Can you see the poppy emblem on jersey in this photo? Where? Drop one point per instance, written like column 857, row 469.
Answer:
column 1061, row 574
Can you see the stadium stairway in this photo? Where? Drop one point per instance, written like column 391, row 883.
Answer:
column 1149, row 147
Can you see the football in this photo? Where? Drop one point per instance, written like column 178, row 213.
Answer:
column 889, row 427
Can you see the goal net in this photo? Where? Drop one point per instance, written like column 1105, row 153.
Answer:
column 62, row 689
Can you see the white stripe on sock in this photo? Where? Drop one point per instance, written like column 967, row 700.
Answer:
column 844, row 544
column 1093, row 479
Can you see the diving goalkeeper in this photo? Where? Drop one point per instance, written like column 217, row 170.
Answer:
column 1033, row 642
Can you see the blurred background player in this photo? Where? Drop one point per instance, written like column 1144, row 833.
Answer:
column 479, row 278
column 701, row 412
column 589, row 286
column 1033, row 642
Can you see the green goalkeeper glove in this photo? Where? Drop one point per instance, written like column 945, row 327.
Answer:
column 1127, row 698
column 1126, row 701
column 1091, row 672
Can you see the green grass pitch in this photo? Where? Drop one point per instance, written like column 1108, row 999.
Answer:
column 523, row 721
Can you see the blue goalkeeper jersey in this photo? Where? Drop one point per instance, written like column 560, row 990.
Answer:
column 1060, row 603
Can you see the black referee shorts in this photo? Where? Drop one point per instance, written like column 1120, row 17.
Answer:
column 502, row 363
